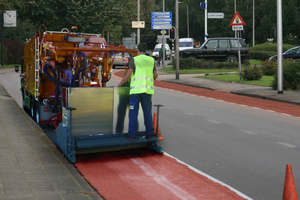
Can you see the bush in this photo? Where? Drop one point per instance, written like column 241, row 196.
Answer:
column 266, row 50
column 190, row 63
column 261, row 55
column 270, row 47
column 251, row 73
column 291, row 75
column 269, row 68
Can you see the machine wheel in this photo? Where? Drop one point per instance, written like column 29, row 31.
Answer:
column 32, row 108
column 37, row 113
column 23, row 103
column 231, row 58
column 23, row 100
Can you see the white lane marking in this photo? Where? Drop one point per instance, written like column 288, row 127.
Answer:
column 249, row 132
column 286, row 144
column 161, row 180
column 210, row 177
column 213, row 121
column 191, row 114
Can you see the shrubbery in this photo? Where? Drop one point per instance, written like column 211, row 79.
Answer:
column 270, row 47
column 251, row 73
column 266, row 50
column 269, row 68
column 261, row 55
column 190, row 63
column 291, row 75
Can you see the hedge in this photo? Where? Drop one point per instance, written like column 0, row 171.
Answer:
column 190, row 63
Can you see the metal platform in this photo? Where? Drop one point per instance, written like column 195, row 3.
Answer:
column 89, row 120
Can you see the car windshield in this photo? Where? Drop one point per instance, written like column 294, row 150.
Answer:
column 292, row 51
column 185, row 44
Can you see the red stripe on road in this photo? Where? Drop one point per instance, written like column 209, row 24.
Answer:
column 141, row 174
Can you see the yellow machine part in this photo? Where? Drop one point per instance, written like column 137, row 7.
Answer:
column 61, row 51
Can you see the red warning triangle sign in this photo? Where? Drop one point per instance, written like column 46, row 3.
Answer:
column 237, row 20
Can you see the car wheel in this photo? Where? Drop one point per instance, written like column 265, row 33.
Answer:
column 231, row 58
column 193, row 57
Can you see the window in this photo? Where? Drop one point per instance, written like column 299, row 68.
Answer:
column 234, row 43
column 212, row 44
column 224, row 44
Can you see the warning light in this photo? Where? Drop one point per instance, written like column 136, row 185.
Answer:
column 172, row 33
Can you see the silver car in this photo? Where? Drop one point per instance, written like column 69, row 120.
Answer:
column 120, row 60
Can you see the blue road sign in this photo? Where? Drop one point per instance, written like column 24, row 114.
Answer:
column 203, row 5
column 161, row 20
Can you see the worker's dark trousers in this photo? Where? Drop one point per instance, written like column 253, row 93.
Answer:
column 146, row 102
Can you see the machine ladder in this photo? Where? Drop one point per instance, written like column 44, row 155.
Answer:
column 37, row 58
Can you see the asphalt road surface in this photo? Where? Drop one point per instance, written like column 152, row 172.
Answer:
column 244, row 147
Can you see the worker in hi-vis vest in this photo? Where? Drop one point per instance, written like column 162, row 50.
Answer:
column 142, row 72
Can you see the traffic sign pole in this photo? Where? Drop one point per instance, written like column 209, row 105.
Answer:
column 205, row 34
column 138, row 30
column 237, row 24
column 162, row 20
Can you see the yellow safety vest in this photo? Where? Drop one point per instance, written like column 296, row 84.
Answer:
column 142, row 80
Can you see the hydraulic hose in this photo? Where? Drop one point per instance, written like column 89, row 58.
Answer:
column 83, row 63
column 81, row 69
column 57, row 85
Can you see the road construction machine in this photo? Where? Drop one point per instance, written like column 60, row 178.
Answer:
column 63, row 83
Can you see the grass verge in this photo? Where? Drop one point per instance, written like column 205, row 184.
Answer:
column 197, row 71
column 254, row 62
column 265, row 81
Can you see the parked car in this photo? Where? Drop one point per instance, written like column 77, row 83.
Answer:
column 293, row 53
column 120, row 60
column 155, row 53
column 221, row 49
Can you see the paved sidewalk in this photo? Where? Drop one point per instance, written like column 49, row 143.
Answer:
column 268, row 93
column 31, row 166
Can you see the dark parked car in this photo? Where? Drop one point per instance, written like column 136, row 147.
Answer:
column 222, row 49
column 293, row 53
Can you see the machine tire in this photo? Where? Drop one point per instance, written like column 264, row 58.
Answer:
column 23, row 100
column 23, row 103
column 32, row 108
column 231, row 58
column 37, row 113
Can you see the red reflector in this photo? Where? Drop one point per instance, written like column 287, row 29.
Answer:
column 46, row 109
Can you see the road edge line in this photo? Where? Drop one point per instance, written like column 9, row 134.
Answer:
column 210, row 177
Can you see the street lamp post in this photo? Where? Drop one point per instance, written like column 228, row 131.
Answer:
column 279, row 48
column 253, row 37
column 177, row 38
column 187, row 20
column 138, row 30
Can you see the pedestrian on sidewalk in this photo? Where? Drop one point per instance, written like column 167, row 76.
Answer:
column 142, row 72
column 160, row 55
